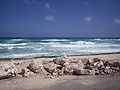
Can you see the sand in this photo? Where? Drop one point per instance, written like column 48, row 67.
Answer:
column 36, row 82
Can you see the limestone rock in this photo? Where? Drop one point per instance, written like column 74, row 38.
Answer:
column 59, row 61
column 50, row 67
column 35, row 67
column 116, row 64
column 70, row 67
column 7, row 70
column 25, row 72
column 108, row 70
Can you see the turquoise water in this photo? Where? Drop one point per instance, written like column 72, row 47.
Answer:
column 35, row 47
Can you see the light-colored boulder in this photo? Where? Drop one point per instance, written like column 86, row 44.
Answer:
column 35, row 67
column 59, row 61
column 49, row 67
column 98, row 64
column 7, row 70
column 58, row 71
column 108, row 70
column 70, row 67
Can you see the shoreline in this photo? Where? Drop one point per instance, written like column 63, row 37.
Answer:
column 58, row 56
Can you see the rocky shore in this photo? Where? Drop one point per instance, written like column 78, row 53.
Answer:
column 51, row 68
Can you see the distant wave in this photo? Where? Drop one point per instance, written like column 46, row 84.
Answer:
column 83, row 42
column 97, row 39
column 51, row 43
column 55, row 40
column 18, row 39
column 13, row 44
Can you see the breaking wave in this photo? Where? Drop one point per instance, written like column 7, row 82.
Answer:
column 22, row 48
column 55, row 40
column 83, row 43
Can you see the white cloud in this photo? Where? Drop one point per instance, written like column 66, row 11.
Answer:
column 88, row 19
column 86, row 3
column 117, row 20
column 49, row 18
column 47, row 6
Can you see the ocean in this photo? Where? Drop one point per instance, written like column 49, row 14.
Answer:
column 37, row 47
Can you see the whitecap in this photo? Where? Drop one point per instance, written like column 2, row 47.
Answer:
column 13, row 44
column 97, row 39
column 55, row 40
column 83, row 43
column 17, row 39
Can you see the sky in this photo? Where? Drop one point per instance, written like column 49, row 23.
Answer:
column 59, row 18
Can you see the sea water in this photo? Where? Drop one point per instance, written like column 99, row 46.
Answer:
column 36, row 47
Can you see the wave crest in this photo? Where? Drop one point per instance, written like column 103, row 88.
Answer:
column 83, row 42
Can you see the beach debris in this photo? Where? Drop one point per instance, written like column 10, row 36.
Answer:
column 7, row 70
column 35, row 67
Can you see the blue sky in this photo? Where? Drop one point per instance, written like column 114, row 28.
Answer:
column 60, row 18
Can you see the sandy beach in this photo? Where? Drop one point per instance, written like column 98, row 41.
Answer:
column 65, row 82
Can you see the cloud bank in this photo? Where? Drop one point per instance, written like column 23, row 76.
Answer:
column 117, row 21
column 47, row 6
column 88, row 19
column 49, row 18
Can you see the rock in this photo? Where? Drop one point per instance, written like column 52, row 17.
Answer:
column 50, row 67
column 70, row 67
column 81, row 65
column 73, row 60
column 7, row 70
column 25, row 72
column 59, row 61
column 35, row 67
column 84, row 60
column 88, row 67
column 96, row 72
column 59, row 70
column 83, row 72
column 96, row 59
column 88, row 63
column 45, row 62
column 77, row 72
column 108, row 70
column 17, row 63
column 116, row 64
column 98, row 64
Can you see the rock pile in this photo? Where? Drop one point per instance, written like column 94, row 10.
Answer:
column 62, row 66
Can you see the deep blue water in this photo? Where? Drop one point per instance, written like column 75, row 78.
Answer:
column 35, row 47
